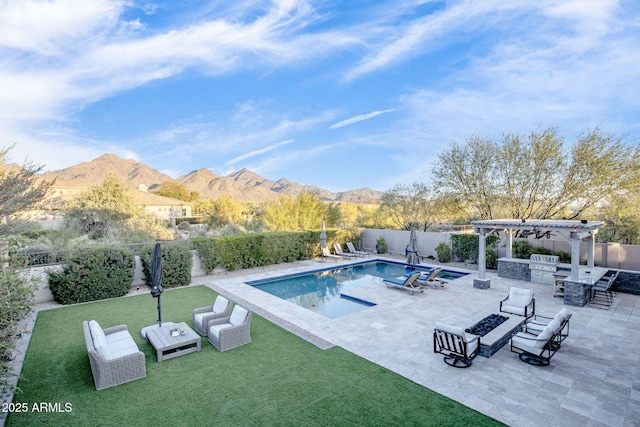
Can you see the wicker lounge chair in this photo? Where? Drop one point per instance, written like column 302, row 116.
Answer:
column 113, row 355
column 458, row 347
column 520, row 302
column 231, row 332
column 354, row 251
column 406, row 283
column 201, row 316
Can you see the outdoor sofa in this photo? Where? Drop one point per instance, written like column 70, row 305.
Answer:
column 113, row 355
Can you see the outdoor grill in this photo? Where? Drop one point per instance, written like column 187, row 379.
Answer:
column 543, row 268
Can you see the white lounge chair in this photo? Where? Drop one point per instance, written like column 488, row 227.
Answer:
column 327, row 254
column 353, row 250
column 338, row 250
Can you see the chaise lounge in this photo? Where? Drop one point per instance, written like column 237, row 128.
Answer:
column 407, row 283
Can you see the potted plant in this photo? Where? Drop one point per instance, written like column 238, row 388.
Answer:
column 381, row 245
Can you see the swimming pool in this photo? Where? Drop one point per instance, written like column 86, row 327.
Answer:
column 322, row 291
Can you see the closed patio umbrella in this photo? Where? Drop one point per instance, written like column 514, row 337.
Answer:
column 412, row 253
column 156, row 276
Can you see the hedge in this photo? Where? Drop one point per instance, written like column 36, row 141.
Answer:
column 93, row 274
column 176, row 264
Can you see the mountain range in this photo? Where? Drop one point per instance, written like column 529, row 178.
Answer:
column 243, row 185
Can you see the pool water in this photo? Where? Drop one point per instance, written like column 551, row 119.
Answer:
column 322, row 291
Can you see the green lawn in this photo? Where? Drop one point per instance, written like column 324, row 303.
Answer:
column 278, row 379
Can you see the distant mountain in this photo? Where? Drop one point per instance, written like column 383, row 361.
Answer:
column 88, row 174
column 243, row 185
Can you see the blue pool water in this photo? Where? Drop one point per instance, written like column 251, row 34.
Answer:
column 322, row 291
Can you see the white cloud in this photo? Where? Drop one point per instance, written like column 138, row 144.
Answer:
column 255, row 153
column 358, row 118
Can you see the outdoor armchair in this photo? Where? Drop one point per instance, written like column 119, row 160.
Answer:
column 538, row 349
column 536, row 324
column 201, row 316
column 231, row 332
column 520, row 302
column 458, row 347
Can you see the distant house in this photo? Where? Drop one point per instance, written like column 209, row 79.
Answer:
column 162, row 207
column 158, row 206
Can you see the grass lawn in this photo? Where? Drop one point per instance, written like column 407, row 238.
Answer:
column 278, row 379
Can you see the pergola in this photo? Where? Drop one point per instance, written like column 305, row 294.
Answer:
column 572, row 231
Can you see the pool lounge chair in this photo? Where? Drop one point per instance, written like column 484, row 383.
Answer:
column 327, row 254
column 407, row 283
column 338, row 250
column 353, row 250
column 431, row 279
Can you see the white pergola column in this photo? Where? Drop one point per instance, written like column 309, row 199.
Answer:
column 510, row 233
column 591, row 242
column 482, row 254
column 575, row 255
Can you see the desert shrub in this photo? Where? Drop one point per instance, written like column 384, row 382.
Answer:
column 443, row 250
column 93, row 274
column 177, row 261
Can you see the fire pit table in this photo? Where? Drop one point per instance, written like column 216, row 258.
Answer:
column 496, row 330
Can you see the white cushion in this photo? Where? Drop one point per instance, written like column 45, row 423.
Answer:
column 546, row 334
column 563, row 314
column 238, row 316
column 520, row 297
column 197, row 319
column 96, row 331
column 214, row 330
column 120, row 344
column 527, row 342
column 100, row 343
column 515, row 309
column 220, row 304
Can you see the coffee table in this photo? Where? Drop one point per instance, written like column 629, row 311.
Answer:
column 168, row 347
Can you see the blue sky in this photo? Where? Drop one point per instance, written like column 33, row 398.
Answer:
column 338, row 94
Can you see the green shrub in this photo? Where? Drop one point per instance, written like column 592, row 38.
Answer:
column 564, row 257
column 177, row 261
column 93, row 274
column 259, row 249
column 443, row 250
column 466, row 247
column 521, row 249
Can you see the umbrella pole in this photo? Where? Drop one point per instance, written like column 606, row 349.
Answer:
column 159, row 314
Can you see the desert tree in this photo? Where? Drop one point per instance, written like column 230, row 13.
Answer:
column 175, row 190
column 21, row 189
column 536, row 175
column 417, row 205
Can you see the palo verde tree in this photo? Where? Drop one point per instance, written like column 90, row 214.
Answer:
column 536, row 176
column 21, row 190
column 305, row 212
column 178, row 191
column 416, row 205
